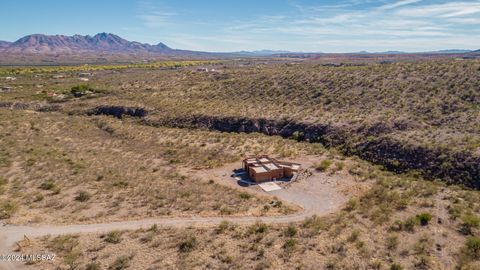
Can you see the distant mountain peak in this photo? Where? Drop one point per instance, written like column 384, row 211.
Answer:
column 99, row 43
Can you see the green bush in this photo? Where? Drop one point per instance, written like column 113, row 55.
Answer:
column 339, row 166
column 259, row 227
column 470, row 222
column 323, row 165
column 424, row 218
column 472, row 247
column 290, row 245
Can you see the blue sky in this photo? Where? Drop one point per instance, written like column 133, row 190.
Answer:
column 295, row 25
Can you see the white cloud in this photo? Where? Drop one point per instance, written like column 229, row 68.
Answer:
column 398, row 4
column 154, row 16
column 410, row 25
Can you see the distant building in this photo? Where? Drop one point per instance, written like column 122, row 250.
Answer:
column 84, row 74
column 6, row 89
column 264, row 168
column 202, row 69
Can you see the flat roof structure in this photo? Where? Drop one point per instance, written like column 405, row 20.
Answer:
column 264, row 168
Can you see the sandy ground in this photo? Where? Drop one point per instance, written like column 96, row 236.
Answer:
column 319, row 194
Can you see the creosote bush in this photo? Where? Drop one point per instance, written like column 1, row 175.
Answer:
column 83, row 196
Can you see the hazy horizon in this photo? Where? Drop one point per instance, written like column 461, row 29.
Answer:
column 297, row 26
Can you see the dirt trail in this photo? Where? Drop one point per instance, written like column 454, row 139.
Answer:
column 10, row 234
column 316, row 195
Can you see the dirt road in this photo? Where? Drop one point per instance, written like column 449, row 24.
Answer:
column 316, row 194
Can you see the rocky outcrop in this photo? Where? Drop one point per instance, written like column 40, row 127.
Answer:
column 118, row 111
column 434, row 163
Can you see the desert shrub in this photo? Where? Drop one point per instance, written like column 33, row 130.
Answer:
column 297, row 135
column 81, row 89
column 410, row 223
column 72, row 259
column 93, row 266
column 83, row 196
column 245, row 195
column 423, row 262
column 122, row 262
column 63, row 243
column 153, row 228
column 276, row 203
column 290, row 245
column 7, row 209
column 188, row 243
column 48, row 185
column 392, row 242
column 258, row 227
column 339, row 166
column 396, row 266
column 424, row 218
column 4, row 158
column 354, row 236
column 472, row 247
column 222, row 226
column 351, row 205
column 291, row 230
column 314, row 223
column 469, row 222
column 323, row 165
column 113, row 237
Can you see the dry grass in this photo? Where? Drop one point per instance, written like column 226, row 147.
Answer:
column 82, row 169
column 379, row 231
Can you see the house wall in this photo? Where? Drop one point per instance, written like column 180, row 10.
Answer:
column 266, row 176
column 288, row 172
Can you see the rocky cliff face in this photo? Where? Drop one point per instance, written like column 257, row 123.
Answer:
column 433, row 163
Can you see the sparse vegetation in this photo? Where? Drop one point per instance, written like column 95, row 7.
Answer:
column 188, row 243
column 323, row 165
column 414, row 119
column 113, row 237
column 83, row 196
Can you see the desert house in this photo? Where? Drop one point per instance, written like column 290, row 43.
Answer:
column 264, row 168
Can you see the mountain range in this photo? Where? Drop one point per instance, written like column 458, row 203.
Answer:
column 99, row 43
column 107, row 43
